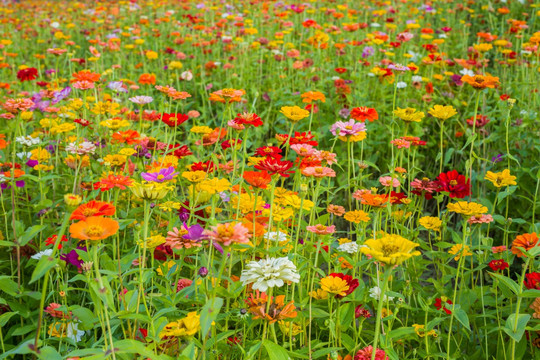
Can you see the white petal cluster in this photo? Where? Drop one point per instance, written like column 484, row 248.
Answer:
column 269, row 273
column 275, row 236
column 375, row 293
column 86, row 147
column 39, row 255
column 27, row 140
column 350, row 247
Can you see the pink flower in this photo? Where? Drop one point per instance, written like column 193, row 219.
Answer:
column 193, row 114
column 357, row 195
column 319, row 171
column 229, row 233
column 400, row 143
column 303, row 149
column 323, row 155
column 321, row 229
column 424, row 185
column 83, row 85
column 388, row 181
column 365, row 354
column 498, row 249
column 480, row 219
column 344, row 128
column 175, row 240
column 183, row 283
column 235, row 125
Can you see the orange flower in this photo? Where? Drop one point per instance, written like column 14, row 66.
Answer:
column 94, row 228
column 147, row 79
column 276, row 311
column 213, row 137
column 363, row 113
column 85, row 75
column 227, row 95
column 258, row 179
column 480, row 82
column 129, row 137
column 93, row 208
column 310, row 96
column 3, row 143
column 375, row 200
column 525, row 241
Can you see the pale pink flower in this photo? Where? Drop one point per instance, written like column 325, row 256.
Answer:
column 319, row 171
column 480, row 219
column 400, row 143
column 14, row 105
column 7, row 116
column 56, row 51
column 175, row 240
column 498, row 249
column 323, row 155
column 83, row 85
column 303, row 149
column 193, row 114
column 229, row 233
column 388, row 181
column 321, row 229
column 235, row 125
column 424, row 185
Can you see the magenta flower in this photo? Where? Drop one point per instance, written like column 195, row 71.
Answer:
column 161, row 176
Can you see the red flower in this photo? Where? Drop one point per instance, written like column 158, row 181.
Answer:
column 269, row 151
column 27, row 74
column 248, row 119
column 180, row 151
column 440, row 305
column 207, row 166
column 504, row 97
column 230, row 143
column 497, row 265
column 353, row 283
column 82, row 122
column 454, row 183
column 275, row 166
column 259, row 179
column 173, row 120
column 396, row 198
column 129, row 137
column 312, row 107
column 363, row 113
column 303, row 138
column 340, row 70
column 532, row 281
column 52, row 240
column 360, row 311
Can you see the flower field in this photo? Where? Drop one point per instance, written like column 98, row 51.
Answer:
column 351, row 180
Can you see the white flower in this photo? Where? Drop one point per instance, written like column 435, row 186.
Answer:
column 401, row 85
column 55, row 25
column 442, row 36
column 141, row 99
column 416, row 78
column 414, row 56
column 38, row 256
column 275, row 236
column 24, row 155
column 375, row 293
column 375, row 24
column 467, row 72
column 186, row 75
column 3, row 178
column 86, row 147
column 27, row 140
column 334, row 78
column 269, row 273
column 73, row 332
column 350, row 247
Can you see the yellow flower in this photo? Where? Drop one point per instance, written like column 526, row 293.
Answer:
column 154, row 241
column 290, row 328
column 150, row 190
column 294, row 113
column 254, row 160
column 459, row 250
column 295, row 202
column 40, row 155
column 115, row 160
column 421, row 332
column 279, row 213
column 246, row 202
column 409, row 114
column 319, row 294
column 467, row 209
column 185, row 327
column 334, row 285
column 201, row 130
column 167, row 265
column 500, row 179
column 357, row 216
column 214, row 185
column 390, row 249
column 442, row 112
column 431, row 223
column 115, row 123
column 127, row 151
column 170, row 206
column 342, row 241
column 62, row 128
column 72, row 199
column 175, row 65
column 194, row 176
column 151, row 55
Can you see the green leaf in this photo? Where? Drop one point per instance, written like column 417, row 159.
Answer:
column 518, row 323
column 49, row 353
column 23, row 330
column 462, row 317
column 324, row 352
column 532, row 293
column 400, row 332
column 45, row 264
column 8, row 286
column 209, row 314
column 4, row 318
column 30, row 233
column 275, row 352
column 511, row 284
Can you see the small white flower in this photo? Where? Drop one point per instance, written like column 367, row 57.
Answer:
column 3, row 178
column 269, row 273
column 466, row 72
column 375, row 293
column 334, row 78
column 350, row 247
column 416, row 78
column 401, row 85
column 27, row 140
column 73, row 332
column 275, row 236
column 24, row 155
column 186, row 75
column 442, row 36
column 375, row 24
column 55, row 25
column 40, row 254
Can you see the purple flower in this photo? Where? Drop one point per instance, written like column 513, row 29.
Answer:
column 456, row 79
column 344, row 113
column 367, row 52
column 160, row 176
column 61, row 95
column 203, row 272
column 141, row 100
column 497, row 158
column 195, row 232
column 344, row 128
column 73, row 258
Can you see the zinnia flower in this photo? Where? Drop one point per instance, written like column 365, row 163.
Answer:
column 229, row 233
column 442, row 112
column 454, row 183
column 93, row 208
column 524, row 241
column 94, row 228
column 363, row 113
column 467, row 209
column 500, row 179
column 481, row 82
column 269, row 273
column 390, row 249
column 366, row 353
column 294, row 113
column 185, row 327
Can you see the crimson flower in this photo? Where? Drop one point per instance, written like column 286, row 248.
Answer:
column 275, row 166
column 248, row 119
column 497, row 265
column 269, row 151
column 180, row 151
column 532, row 281
column 173, row 120
column 353, row 283
column 439, row 304
column 27, row 74
column 454, row 183
column 207, row 166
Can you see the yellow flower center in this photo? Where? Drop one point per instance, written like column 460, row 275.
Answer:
column 94, row 230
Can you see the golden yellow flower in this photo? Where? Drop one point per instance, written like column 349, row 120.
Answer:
column 40, row 155
column 319, row 294
column 166, row 265
column 194, row 176
column 442, row 112
column 201, row 130
column 150, row 190
column 115, row 160
column 409, row 114
column 357, row 216
column 459, row 250
column 334, row 285
column 294, row 113
column 115, row 123
column 290, row 328
column 185, row 327
column 500, row 179
column 390, row 249
column 214, row 185
column 431, row 223
column 72, row 199
column 246, row 203
column 467, row 209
